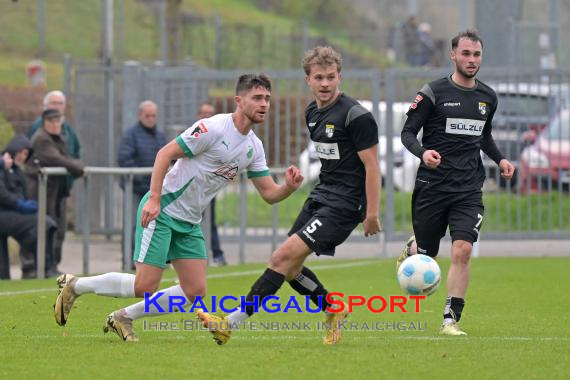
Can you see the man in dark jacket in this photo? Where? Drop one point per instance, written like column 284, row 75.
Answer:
column 138, row 148
column 50, row 149
column 56, row 100
column 18, row 213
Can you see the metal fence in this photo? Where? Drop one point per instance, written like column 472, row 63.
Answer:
column 535, row 206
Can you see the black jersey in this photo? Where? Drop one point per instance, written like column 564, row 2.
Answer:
column 339, row 131
column 456, row 123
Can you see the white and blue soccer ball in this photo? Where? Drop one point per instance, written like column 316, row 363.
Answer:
column 419, row 275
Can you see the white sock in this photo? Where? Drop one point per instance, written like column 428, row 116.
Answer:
column 237, row 317
column 136, row 310
column 111, row 284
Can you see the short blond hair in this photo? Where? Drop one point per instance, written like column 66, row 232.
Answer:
column 321, row 56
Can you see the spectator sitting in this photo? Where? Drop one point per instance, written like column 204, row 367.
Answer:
column 18, row 213
column 50, row 149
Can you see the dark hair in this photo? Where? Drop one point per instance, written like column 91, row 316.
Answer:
column 322, row 56
column 247, row 82
column 470, row 34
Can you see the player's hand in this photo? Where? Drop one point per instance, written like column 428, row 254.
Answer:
column 293, row 177
column 371, row 226
column 507, row 169
column 431, row 159
column 150, row 211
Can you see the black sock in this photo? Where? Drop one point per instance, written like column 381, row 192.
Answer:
column 266, row 285
column 453, row 308
column 307, row 284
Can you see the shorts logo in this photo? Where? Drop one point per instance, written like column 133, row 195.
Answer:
column 201, row 128
column 470, row 127
column 483, row 108
column 311, row 229
column 329, row 130
column 418, row 99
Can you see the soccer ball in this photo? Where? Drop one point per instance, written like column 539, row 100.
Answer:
column 419, row 275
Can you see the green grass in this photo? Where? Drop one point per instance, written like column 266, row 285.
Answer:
column 503, row 211
column 515, row 314
column 251, row 38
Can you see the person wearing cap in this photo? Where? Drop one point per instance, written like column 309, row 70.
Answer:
column 50, row 150
column 18, row 213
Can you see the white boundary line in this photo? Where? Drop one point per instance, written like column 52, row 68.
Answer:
column 211, row 276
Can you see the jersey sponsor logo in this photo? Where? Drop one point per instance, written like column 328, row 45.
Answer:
column 418, row 99
column 327, row 151
column 312, row 124
column 227, row 171
column 201, row 128
column 452, row 104
column 469, row 127
column 483, row 108
column 329, row 130
column 226, row 144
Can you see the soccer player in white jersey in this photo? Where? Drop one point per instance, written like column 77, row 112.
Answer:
column 209, row 154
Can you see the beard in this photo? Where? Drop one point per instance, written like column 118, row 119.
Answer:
column 465, row 73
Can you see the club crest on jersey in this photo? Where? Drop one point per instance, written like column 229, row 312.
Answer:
column 201, row 128
column 329, row 130
column 483, row 108
column 249, row 152
column 418, row 99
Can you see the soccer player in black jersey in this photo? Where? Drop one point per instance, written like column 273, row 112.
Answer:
column 345, row 135
column 455, row 113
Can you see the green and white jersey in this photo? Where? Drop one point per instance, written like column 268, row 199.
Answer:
column 216, row 154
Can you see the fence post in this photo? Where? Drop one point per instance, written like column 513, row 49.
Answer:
column 86, row 225
column 389, row 218
column 128, row 224
column 42, row 210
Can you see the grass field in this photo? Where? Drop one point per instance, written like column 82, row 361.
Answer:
column 516, row 315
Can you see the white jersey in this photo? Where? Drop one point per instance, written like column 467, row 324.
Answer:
column 216, row 154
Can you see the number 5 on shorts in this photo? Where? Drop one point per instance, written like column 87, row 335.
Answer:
column 313, row 226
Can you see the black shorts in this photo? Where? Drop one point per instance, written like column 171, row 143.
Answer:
column 323, row 227
column 433, row 211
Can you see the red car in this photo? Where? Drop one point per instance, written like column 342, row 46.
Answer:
column 547, row 161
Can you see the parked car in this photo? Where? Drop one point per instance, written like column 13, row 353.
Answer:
column 523, row 108
column 547, row 160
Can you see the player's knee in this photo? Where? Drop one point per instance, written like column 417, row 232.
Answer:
column 280, row 260
column 461, row 252
column 193, row 291
column 144, row 287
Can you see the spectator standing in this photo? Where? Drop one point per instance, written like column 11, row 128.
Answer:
column 138, row 148
column 49, row 149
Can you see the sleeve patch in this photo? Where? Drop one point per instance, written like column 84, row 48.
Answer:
column 201, row 128
column 418, row 99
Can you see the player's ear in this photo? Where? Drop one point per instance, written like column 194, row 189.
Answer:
column 307, row 79
column 237, row 99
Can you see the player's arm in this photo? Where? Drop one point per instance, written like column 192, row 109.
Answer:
column 417, row 115
column 489, row 147
column 271, row 192
column 170, row 152
column 369, row 158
